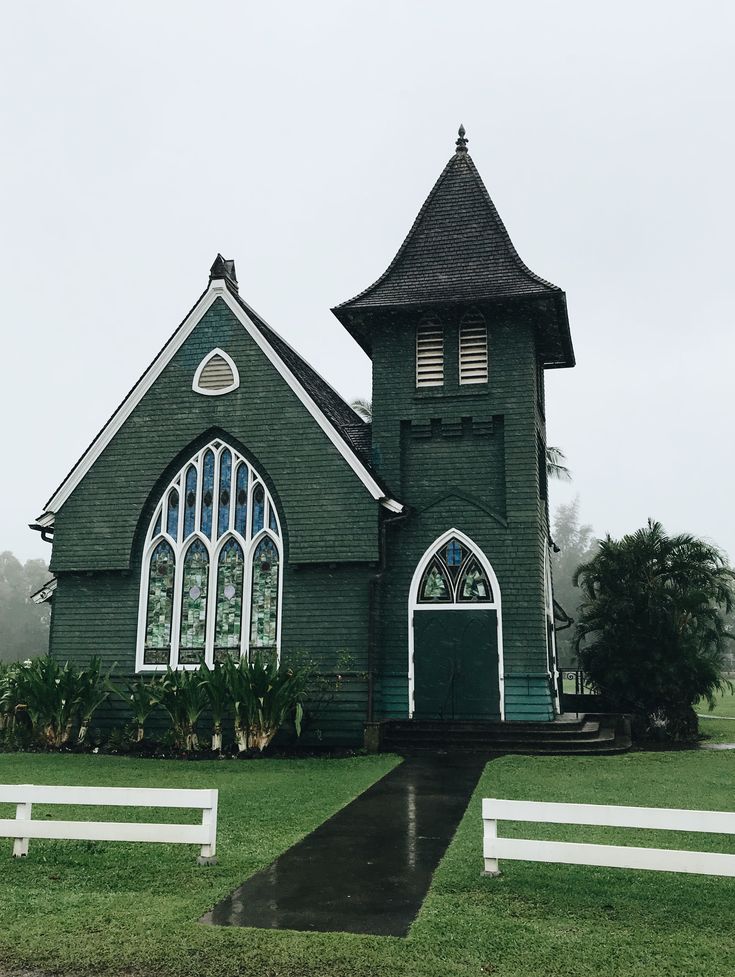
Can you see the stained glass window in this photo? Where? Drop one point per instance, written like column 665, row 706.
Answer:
column 225, row 476
column 258, row 508
column 435, row 586
column 160, row 605
column 190, row 500
column 453, row 556
column 207, row 494
column 195, row 579
column 228, row 620
column 172, row 513
column 454, row 575
column 264, row 602
column 474, row 585
column 194, row 592
column 241, row 499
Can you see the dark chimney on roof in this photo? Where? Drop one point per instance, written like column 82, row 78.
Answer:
column 223, row 268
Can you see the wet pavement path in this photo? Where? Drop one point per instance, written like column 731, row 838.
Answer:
column 368, row 868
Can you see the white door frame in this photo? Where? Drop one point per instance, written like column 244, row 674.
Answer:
column 414, row 606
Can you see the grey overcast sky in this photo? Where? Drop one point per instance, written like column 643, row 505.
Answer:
column 300, row 139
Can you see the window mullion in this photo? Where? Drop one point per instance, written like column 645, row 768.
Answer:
column 211, row 608
column 176, row 622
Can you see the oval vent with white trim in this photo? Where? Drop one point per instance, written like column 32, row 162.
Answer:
column 216, row 374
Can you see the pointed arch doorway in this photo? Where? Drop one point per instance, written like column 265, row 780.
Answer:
column 455, row 641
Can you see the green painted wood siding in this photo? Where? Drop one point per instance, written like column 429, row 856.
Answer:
column 329, row 514
column 324, row 622
column 464, row 457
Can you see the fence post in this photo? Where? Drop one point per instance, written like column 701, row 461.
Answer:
column 23, row 812
column 490, row 836
column 207, row 855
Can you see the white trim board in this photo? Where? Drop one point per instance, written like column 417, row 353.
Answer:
column 217, row 289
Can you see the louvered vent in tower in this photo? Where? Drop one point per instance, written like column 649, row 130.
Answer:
column 473, row 349
column 216, row 374
column 430, row 354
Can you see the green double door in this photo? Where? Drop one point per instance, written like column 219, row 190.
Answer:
column 455, row 665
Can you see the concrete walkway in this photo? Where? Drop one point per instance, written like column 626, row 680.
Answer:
column 368, row 868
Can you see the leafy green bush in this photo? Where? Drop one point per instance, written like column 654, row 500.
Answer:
column 216, row 687
column 264, row 696
column 652, row 631
column 140, row 696
column 182, row 696
column 55, row 698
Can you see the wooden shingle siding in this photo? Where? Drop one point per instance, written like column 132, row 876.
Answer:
column 324, row 626
column 330, row 516
column 463, row 456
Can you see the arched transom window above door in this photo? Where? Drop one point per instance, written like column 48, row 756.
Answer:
column 454, row 575
column 211, row 576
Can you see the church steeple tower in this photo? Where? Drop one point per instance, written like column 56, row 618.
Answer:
column 460, row 331
column 458, row 250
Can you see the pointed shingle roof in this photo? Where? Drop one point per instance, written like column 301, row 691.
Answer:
column 458, row 250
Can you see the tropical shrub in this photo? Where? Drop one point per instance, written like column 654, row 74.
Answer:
column 652, row 631
column 264, row 696
column 182, row 696
column 8, row 699
column 53, row 697
column 140, row 695
column 216, row 687
column 93, row 688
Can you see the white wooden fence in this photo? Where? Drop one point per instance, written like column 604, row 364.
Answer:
column 614, row 856
column 22, row 828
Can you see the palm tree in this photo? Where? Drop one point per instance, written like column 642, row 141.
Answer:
column 555, row 467
column 652, row 628
column 363, row 408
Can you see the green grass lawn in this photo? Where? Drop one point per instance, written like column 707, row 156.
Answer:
column 719, row 724
column 117, row 909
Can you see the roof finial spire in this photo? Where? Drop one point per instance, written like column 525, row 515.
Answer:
column 461, row 142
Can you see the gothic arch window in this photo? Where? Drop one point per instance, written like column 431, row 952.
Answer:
column 211, row 581
column 454, row 575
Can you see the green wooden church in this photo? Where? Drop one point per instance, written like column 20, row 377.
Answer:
column 236, row 504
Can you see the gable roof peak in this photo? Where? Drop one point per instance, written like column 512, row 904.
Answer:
column 223, row 268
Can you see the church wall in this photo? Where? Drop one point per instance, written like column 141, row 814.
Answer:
column 330, row 514
column 324, row 621
column 328, row 519
column 465, row 457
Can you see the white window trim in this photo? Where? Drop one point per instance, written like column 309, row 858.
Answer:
column 180, row 546
column 217, row 290
column 195, row 386
column 414, row 606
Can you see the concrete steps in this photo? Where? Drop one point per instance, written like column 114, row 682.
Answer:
column 567, row 735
